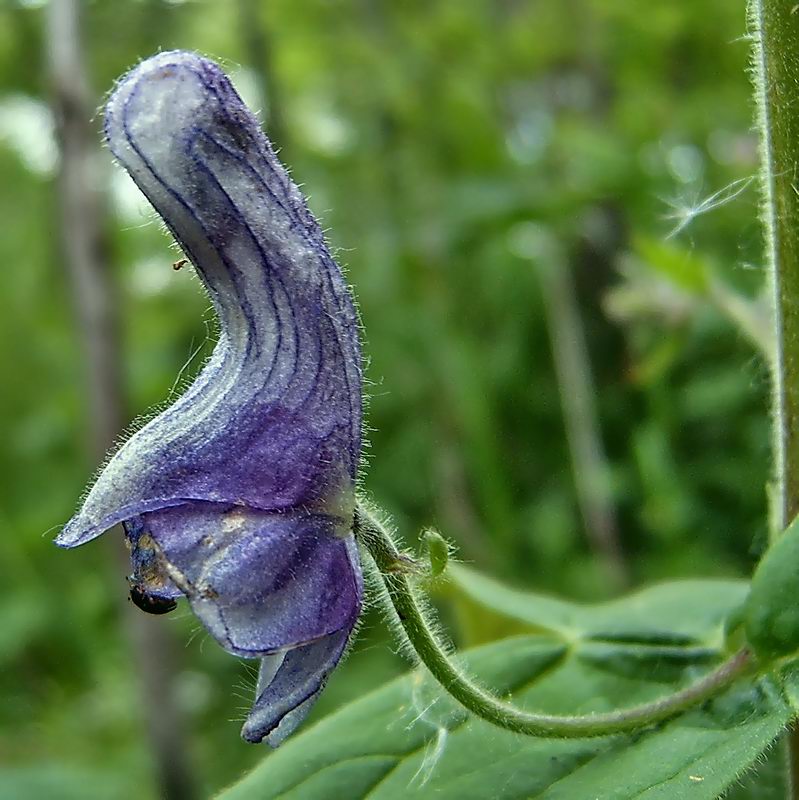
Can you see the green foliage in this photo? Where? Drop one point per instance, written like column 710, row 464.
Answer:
column 410, row 737
column 62, row 782
column 680, row 267
column 771, row 614
column 436, row 139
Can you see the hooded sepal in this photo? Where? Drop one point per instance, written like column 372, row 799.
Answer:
column 240, row 495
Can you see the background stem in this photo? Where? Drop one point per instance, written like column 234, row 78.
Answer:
column 590, row 468
column 87, row 263
column 776, row 35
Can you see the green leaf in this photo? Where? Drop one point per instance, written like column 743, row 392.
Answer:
column 771, row 612
column 61, row 782
column 769, row 782
column 409, row 738
column 677, row 264
column 679, row 612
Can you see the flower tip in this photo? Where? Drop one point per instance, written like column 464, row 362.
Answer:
column 63, row 540
column 252, row 734
column 166, row 65
column 166, row 91
column 74, row 534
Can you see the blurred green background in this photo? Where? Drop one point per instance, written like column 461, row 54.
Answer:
column 549, row 216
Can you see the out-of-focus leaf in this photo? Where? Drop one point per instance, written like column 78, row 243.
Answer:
column 410, row 738
column 56, row 782
column 643, row 295
column 680, row 266
column 753, row 317
column 672, row 284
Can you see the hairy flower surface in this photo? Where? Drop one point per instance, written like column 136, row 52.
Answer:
column 240, row 496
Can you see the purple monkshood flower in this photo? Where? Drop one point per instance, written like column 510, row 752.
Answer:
column 240, row 496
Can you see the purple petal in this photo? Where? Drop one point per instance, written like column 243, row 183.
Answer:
column 288, row 685
column 260, row 582
column 241, row 494
column 273, row 421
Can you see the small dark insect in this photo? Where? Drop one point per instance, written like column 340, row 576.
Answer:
column 151, row 603
column 181, row 262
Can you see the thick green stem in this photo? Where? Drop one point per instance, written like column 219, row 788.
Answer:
column 775, row 25
column 393, row 568
column 776, row 67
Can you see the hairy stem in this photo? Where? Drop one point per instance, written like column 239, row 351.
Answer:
column 776, row 34
column 393, row 568
column 775, row 25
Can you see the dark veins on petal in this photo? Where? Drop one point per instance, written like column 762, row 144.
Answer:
column 241, row 494
column 273, row 421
